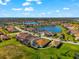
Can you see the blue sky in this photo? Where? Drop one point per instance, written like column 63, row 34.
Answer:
column 39, row 8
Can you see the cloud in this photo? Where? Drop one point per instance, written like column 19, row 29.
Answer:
column 16, row 9
column 39, row 2
column 63, row 9
column 4, row 2
column 57, row 11
column 25, row 9
column 29, row 9
column 26, row 4
column 66, row 8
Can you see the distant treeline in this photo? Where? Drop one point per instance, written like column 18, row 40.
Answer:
column 36, row 19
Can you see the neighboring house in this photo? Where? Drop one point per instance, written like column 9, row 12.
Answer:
column 54, row 23
column 1, row 28
column 48, row 34
column 76, row 36
column 21, row 36
column 29, row 29
column 4, row 37
column 25, row 38
column 1, row 33
column 10, row 28
column 55, row 43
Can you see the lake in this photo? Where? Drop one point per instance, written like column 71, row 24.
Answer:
column 54, row 29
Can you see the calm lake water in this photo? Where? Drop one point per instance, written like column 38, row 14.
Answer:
column 54, row 29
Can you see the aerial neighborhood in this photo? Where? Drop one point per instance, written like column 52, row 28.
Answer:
column 42, row 34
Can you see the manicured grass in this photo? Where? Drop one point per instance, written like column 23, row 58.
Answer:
column 27, row 51
column 66, row 51
column 67, row 36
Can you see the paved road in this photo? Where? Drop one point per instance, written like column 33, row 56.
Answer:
column 44, row 36
column 70, row 42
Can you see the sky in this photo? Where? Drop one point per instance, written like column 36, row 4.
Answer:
column 39, row 8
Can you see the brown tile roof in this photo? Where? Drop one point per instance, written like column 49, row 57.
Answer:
column 23, row 35
column 41, row 42
column 10, row 28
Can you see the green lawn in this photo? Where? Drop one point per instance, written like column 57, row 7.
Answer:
column 66, row 51
column 67, row 36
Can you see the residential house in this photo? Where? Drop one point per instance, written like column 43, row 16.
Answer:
column 25, row 38
column 10, row 28
column 40, row 43
column 55, row 43
column 4, row 37
column 1, row 33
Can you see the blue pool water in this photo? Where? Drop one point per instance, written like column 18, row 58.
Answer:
column 54, row 29
column 31, row 23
